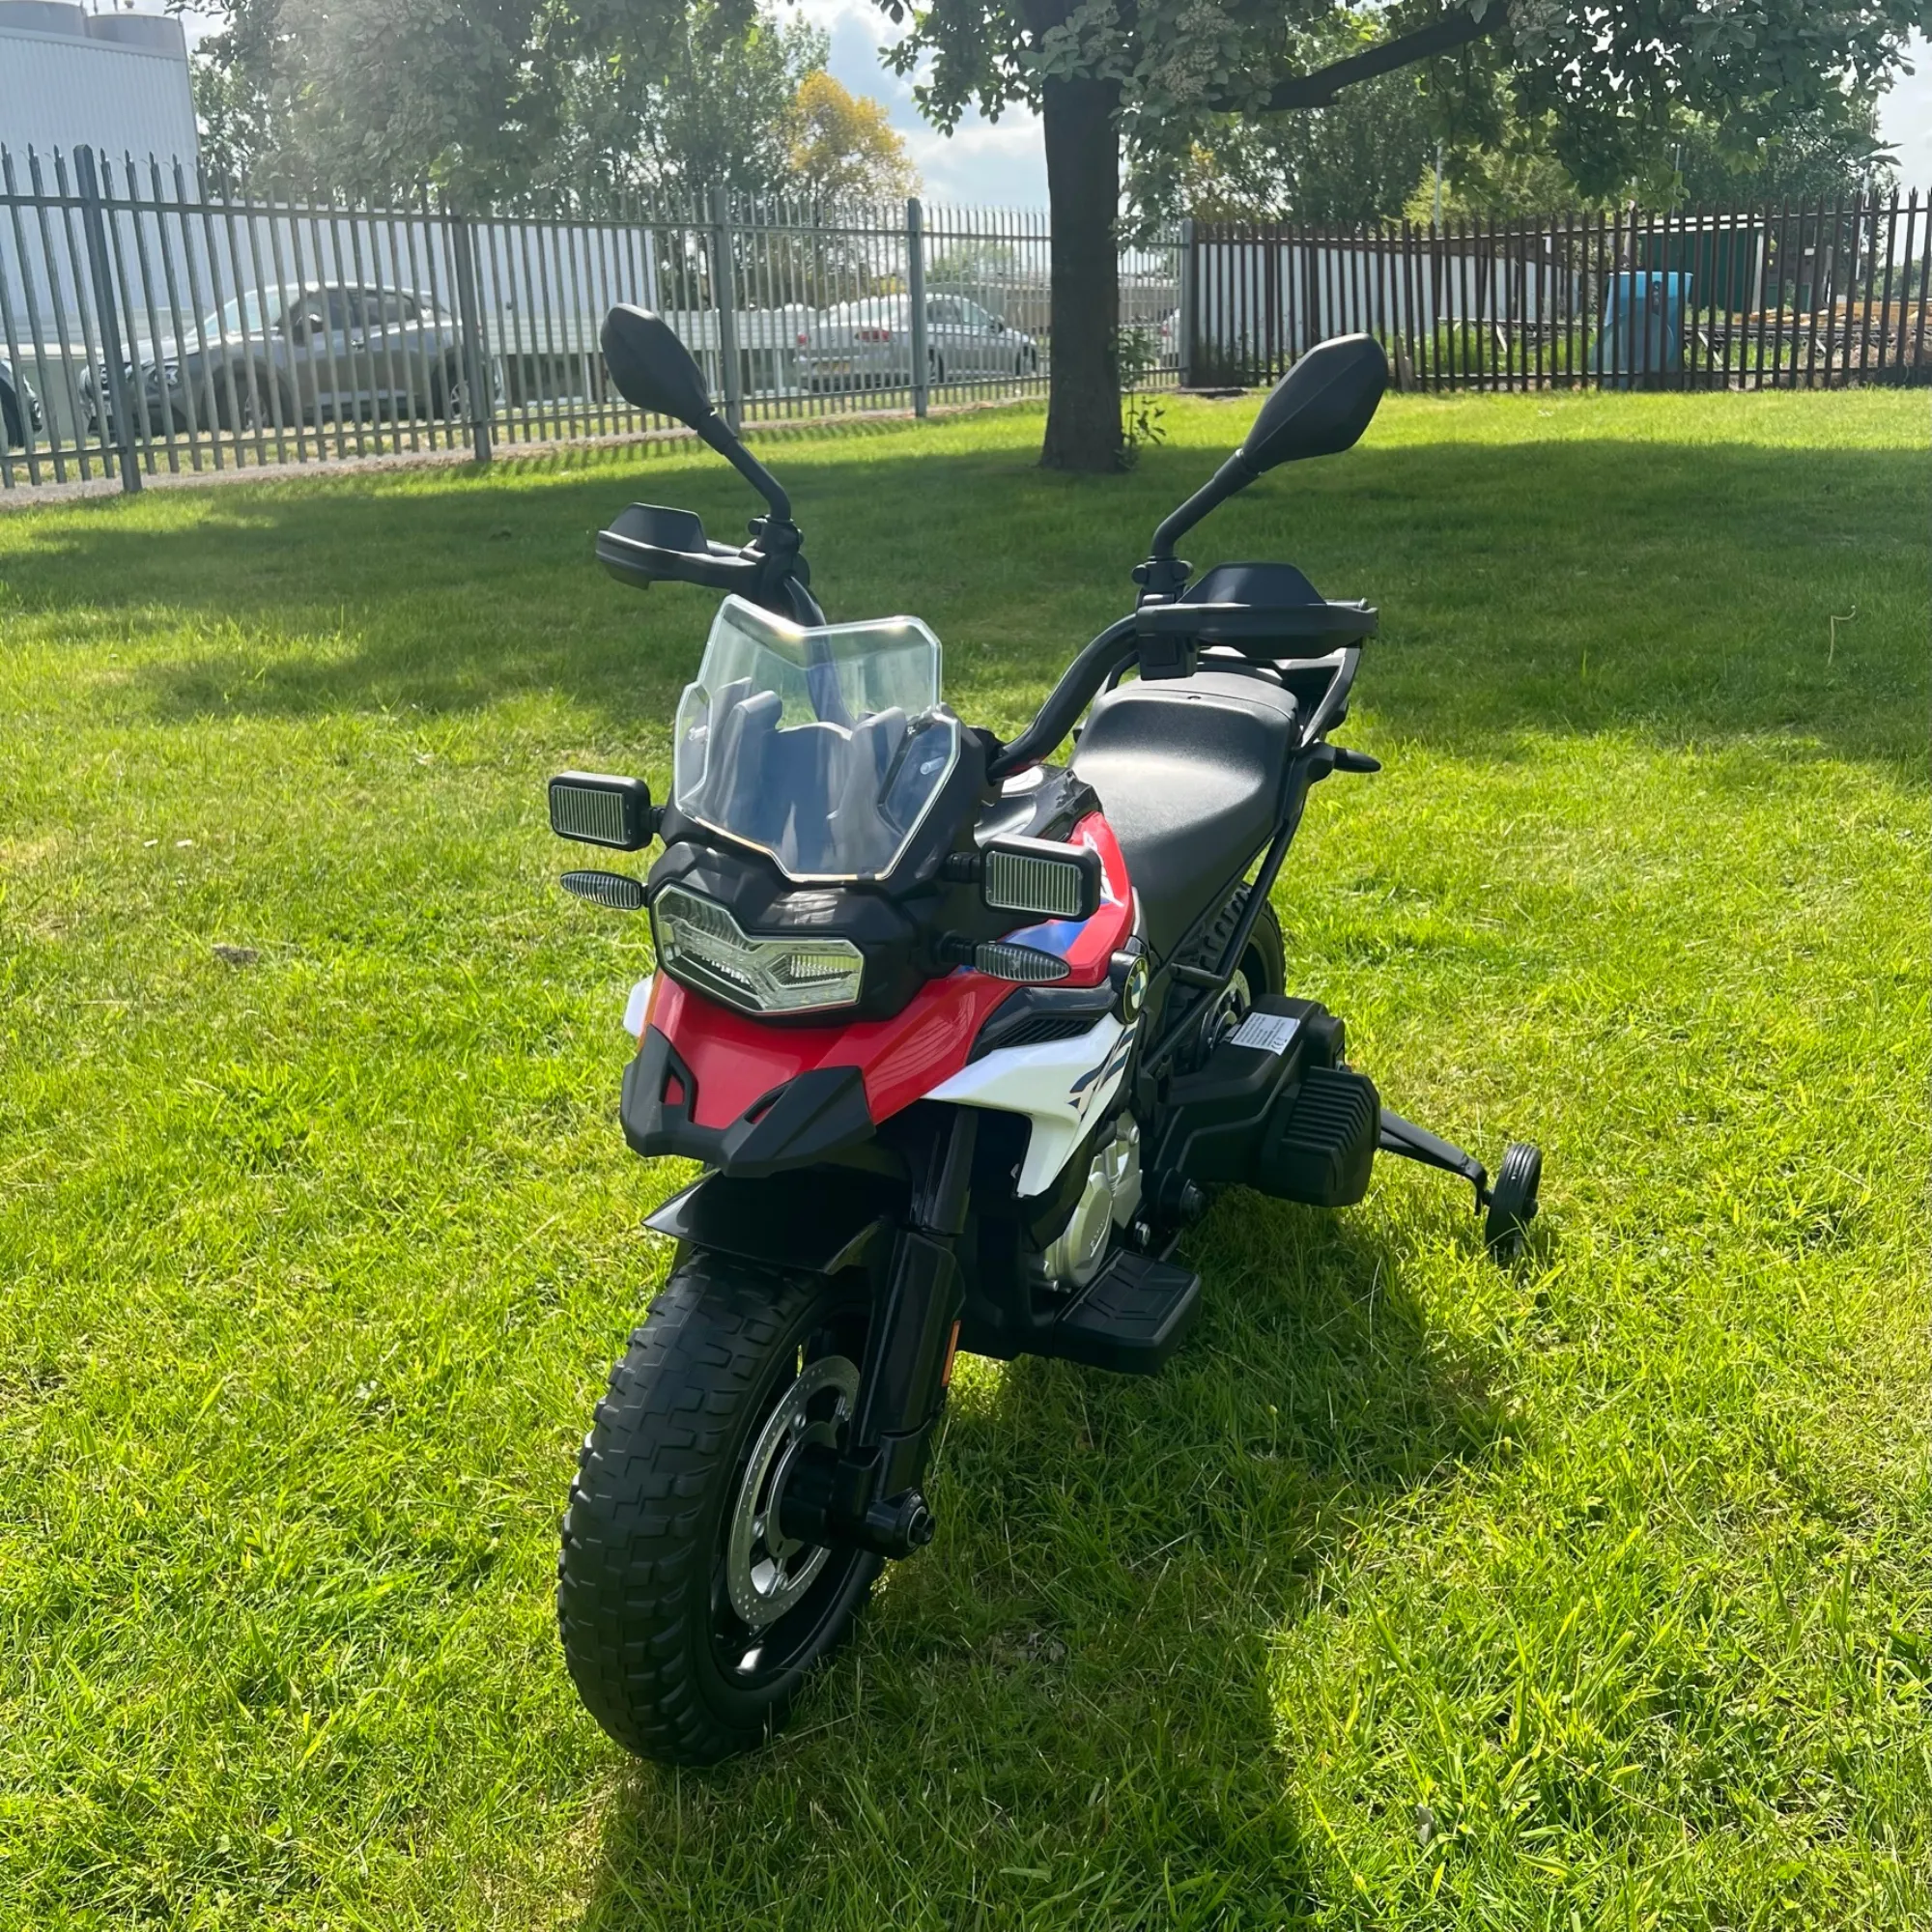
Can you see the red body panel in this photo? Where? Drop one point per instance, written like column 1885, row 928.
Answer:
column 736, row 1059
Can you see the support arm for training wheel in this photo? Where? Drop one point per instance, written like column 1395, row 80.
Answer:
column 1412, row 1143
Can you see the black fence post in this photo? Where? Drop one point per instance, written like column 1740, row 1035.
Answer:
column 1186, row 302
column 479, row 403
column 724, row 303
column 114, row 376
column 916, row 303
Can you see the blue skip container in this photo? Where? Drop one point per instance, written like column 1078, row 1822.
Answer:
column 1643, row 326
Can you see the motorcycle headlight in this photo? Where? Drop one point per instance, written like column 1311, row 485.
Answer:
column 703, row 947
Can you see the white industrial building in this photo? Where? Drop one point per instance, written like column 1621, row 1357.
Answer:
column 113, row 79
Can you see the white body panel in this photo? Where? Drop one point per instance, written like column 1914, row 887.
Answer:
column 1062, row 1086
column 635, row 1008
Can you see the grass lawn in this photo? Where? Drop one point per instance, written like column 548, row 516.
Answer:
column 1416, row 1593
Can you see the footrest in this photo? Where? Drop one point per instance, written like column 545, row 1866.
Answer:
column 1130, row 1317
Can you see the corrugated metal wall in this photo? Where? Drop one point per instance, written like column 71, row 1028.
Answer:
column 118, row 83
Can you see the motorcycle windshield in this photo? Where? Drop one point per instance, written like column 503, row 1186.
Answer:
column 825, row 747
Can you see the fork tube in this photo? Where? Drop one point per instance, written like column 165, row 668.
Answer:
column 902, row 1390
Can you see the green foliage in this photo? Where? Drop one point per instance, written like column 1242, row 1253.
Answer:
column 519, row 104
column 1609, row 94
column 1415, row 1593
column 712, row 103
column 1371, row 156
column 1143, row 417
column 372, row 97
column 1353, row 162
column 1827, row 150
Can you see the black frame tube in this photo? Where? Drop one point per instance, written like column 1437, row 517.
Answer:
column 1080, row 683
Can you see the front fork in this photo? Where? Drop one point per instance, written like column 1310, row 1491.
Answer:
column 867, row 1492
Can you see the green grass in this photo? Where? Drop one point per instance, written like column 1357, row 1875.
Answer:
column 1416, row 1593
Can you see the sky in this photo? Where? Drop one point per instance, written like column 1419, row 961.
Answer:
column 999, row 164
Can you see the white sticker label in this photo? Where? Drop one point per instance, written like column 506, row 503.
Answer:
column 1268, row 1032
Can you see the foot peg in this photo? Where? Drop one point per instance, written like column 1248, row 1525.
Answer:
column 1130, row 1317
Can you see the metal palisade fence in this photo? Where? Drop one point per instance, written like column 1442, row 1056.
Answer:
column 1813, row 295
column 152, row 323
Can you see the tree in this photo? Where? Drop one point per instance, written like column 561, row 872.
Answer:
column 844, row 149
column 1830, row 149
column 1153, row 73
column 1355, row 162
column 1371, row 157
column 525, row 103
column 371, row 96
column 712, row 103
column 505, row 101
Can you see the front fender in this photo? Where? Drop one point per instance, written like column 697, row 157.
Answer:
column 816, row 1220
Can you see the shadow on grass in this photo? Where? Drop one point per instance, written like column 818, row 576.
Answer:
column 1680, row 591
column 1069, row 1694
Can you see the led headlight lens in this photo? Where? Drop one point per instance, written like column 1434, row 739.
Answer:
column 701, row 944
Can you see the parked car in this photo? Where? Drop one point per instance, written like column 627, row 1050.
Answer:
column 20, row 408
column 866, row 344
column 332, row 352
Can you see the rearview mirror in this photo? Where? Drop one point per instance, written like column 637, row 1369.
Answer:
column 652, row 369
column 1319, row 408
column 1322, row 405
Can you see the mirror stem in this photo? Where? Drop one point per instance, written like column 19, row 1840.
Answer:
column 1233, row 476
column 713, row 429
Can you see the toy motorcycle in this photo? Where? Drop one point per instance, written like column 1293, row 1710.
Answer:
column 963, row 1039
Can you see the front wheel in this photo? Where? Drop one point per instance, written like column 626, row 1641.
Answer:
column 689, row 1618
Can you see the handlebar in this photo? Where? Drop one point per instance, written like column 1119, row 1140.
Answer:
column 1115, row 647
column 1162, row 637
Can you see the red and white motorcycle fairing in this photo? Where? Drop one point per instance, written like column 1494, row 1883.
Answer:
column 923, row 1052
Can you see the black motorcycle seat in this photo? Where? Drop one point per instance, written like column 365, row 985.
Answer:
column 1191, row 773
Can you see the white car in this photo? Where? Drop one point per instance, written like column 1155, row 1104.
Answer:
column 866, row 344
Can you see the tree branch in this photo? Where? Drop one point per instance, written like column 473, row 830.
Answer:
column 1453, row 30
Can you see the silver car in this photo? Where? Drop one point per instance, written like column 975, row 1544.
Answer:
column 20, row 416
column 866, row 344
column 331, row 351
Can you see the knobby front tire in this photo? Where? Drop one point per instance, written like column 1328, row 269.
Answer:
column 661, row 1657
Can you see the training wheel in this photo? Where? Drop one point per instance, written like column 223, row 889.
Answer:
column 1512, row 1200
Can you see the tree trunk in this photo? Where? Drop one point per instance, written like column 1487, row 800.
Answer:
column 1083, row 188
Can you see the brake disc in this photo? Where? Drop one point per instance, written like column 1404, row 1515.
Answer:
column 766, row 1572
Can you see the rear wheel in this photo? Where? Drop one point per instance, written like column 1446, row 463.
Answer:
column 689, row 1618
column 257, row 402
column 1263, row 972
